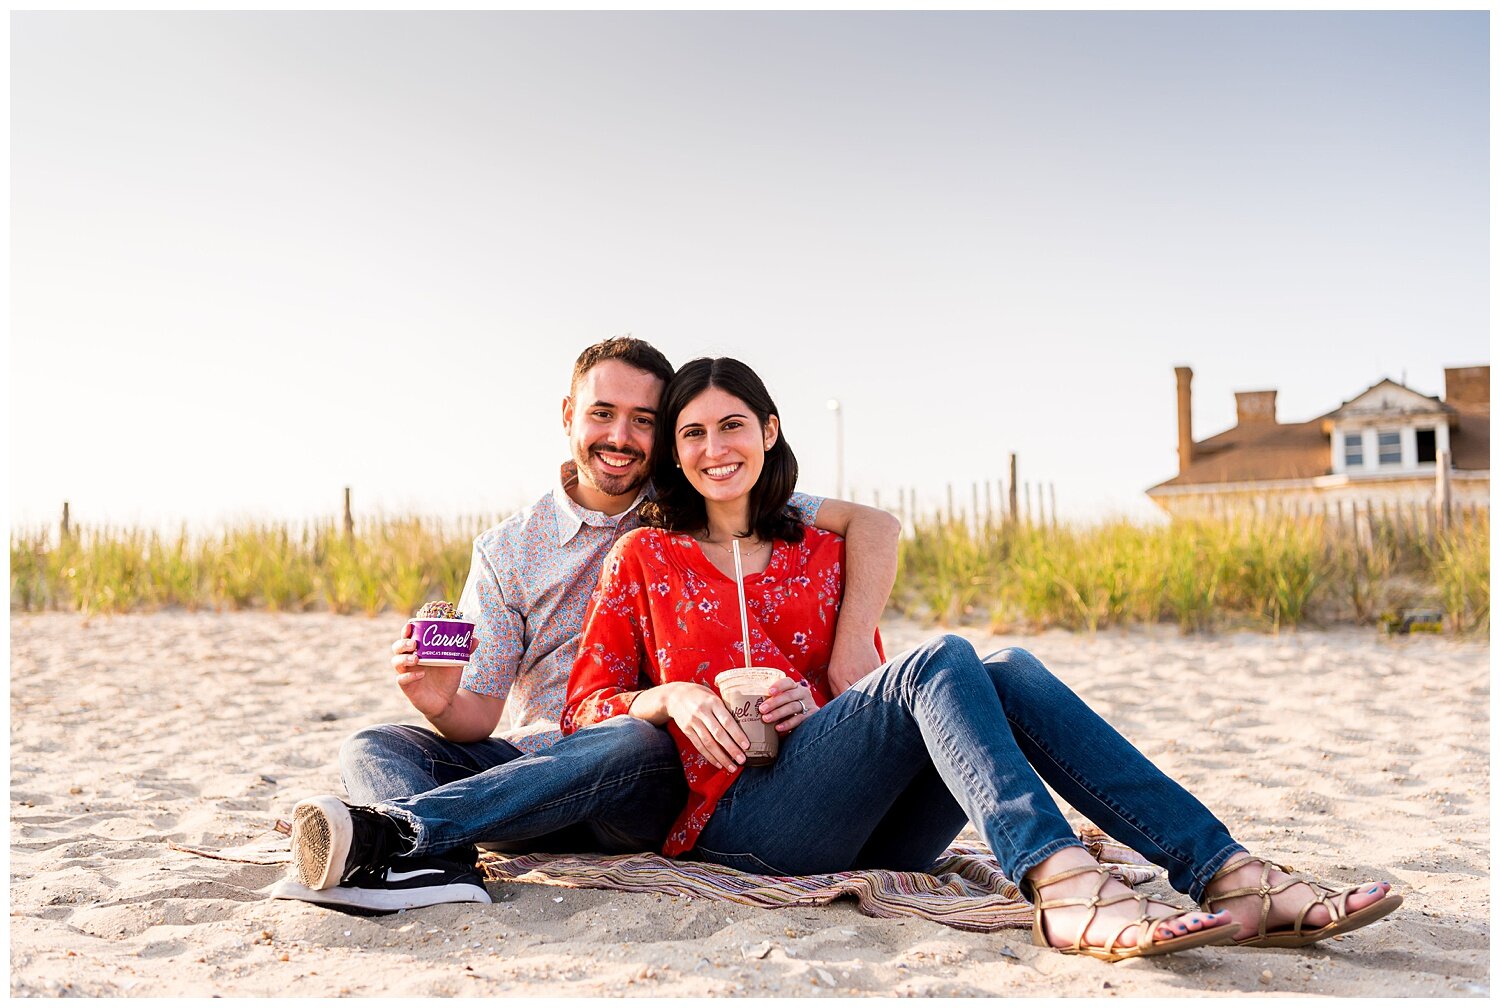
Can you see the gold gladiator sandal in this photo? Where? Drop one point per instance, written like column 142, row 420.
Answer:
column 1146, row 942
column 1341, row 919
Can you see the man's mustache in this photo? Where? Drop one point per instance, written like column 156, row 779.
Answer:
column 600, row 446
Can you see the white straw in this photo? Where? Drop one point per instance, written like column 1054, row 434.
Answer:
column 739, row 582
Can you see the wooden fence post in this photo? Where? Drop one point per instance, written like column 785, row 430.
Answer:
column 1443, row 492
column 1015, row 512
column 348, row 517
column 66, row 527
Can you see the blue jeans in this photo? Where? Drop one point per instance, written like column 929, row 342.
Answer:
column 888, row 773
column 612, row 788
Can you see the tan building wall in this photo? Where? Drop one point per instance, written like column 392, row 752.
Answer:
column 1326, row 493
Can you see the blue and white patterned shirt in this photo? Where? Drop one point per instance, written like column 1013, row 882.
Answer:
column 530, row 580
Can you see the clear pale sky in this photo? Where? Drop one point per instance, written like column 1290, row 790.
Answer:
column 258, row 257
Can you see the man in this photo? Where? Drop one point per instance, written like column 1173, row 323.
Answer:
column 421, row 799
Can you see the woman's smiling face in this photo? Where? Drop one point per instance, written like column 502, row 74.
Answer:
column 720, row 444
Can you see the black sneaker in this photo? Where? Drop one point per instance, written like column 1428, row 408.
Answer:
column 403, row 884
column 332, row 841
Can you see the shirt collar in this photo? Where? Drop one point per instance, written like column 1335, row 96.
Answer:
column 571, row 516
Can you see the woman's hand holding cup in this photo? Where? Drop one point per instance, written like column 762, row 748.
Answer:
column 708, row 724
column 789, row 703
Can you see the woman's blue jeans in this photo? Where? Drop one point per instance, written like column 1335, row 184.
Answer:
column 888, row 773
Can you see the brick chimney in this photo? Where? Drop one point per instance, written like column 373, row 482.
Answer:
column 1255, row 407
column 1184, row 418
column 1467, row 386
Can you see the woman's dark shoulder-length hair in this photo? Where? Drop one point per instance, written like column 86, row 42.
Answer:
column 678, row 507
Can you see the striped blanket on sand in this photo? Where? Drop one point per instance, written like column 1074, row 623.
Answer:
column 965, row 889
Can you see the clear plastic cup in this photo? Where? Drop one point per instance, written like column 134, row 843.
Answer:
column 742, row 690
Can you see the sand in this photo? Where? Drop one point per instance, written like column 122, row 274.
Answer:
column 1351, row 756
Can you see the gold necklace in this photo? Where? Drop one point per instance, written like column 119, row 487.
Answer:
column 730, row 549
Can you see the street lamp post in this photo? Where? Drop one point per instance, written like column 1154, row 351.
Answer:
column 838, row 448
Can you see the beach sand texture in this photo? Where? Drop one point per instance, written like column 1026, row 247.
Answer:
column 1349, row 756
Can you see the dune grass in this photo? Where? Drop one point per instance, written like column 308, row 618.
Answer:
column 393, row 564
column 1265, row 572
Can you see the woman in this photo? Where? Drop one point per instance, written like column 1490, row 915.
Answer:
column 888, row 773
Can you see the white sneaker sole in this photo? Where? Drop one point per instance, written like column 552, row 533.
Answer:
column 322, row 831
column 379, row 900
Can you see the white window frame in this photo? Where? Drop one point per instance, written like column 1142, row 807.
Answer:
column 1380, row 448
column 1354, row 449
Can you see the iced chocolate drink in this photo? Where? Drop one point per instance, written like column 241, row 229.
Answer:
column 742, row 690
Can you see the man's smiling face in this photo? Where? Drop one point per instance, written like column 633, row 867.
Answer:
column 610, row 420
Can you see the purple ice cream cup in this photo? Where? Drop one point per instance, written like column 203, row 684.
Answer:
column 441, row 641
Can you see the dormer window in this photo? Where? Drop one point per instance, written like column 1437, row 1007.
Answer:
column 1354, row 450
column 1426, row 445
column 1390, row 447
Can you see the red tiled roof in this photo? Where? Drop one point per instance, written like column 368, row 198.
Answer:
column 1275, row 451
column 1259, row 451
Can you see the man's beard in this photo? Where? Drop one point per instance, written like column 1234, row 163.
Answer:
column 606, row 480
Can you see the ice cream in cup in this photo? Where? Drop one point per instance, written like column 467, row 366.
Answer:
column 441, row 633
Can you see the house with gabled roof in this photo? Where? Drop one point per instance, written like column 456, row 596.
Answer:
column 1384, row 448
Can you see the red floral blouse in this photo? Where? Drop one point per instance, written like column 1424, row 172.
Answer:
column 663, row 611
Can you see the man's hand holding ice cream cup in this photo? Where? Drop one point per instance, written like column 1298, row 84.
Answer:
column 430, row 656
column 441, row 634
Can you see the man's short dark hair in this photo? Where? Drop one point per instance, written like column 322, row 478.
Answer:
column 636, row 352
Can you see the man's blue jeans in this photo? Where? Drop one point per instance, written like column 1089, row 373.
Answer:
column 886, row 775
column 613, row 788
